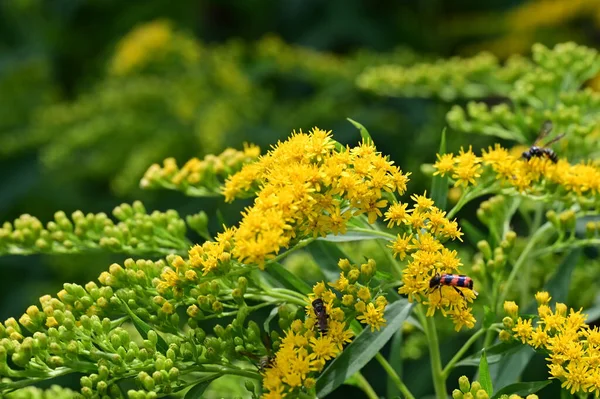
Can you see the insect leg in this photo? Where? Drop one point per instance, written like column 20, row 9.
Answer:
column 459, row 291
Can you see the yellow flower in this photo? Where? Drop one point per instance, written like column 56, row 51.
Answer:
column 542, row 298
column 400, row 245
column 511, row 308
column 396, row 214
column 304, row 187
column 323, row 348
column 523, row 329
column 462, row 317
column 444, row 164
column 372, row 316
column 339, row 334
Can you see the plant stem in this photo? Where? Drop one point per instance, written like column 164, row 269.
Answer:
column 448, row 369
column 439, row 381
column 365, row 386
column 299, row 245
column 372, row 232
column 394, row 376
column 521, row 261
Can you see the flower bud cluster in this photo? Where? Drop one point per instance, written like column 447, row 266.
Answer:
column 199, row 178
column 54, row 392
column 82, row 329
column 448, row 79
column 550, row 89
column 136, row 232
column 474, row 390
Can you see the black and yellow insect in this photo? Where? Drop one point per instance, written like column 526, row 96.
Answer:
column 543, row 151
column 321, row 314
column 451, row 280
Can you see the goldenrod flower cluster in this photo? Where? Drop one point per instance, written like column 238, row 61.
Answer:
column 305, row 187
column 573, row 346
column 153, row 41
column 304, row 350
column 538, row 177
column 425, row 229
column 199, row 177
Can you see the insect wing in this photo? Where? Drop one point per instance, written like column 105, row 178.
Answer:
column 554, row 140
column 544, row 131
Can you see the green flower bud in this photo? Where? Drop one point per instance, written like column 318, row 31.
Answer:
column 86, row 382
column 103, row 373
column 159, row 363
column 152, row 337
column 485, row 249
column 217, row 307
column 55, row 362
column 553, row 218
column 481, row 394
column 148, row 383
column 173, row 374
column 143, row 355
column 463, row 384
column 475, row 386
column 457, row 394
column 507, row 322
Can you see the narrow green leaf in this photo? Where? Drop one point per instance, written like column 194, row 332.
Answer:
column 352, row 236
column 366, row 345
column 439, row 184
column 494, row 354
column 287, row 278
column 327, row 255
column 221, row 218
column 197, row 391
column 509, row 368
column 472, row 233
column 395, row 360
column 522, row 388
column 144, row 328
column 267, row 323
column 364, row 133
column 485, row 379
column 558, row 285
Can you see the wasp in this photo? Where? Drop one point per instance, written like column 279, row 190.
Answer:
column 321, row 314
column 543, row 151
column 451, row 280
column 263, row 362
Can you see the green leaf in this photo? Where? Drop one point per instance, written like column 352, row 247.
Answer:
column 472, row 233
column 327, row 255
column 144, row 328
column 439, row 184
column 366, row 345
column 522, row 388
column 197, row 391
column 364, row 133
column 494, row 354
column 287, row 278
column 395, row 360
column 352, row 236
column 558, row 285
column 509, row 368
column 267, row 323
column 485, row 379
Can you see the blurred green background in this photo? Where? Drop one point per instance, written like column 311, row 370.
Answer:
column 94, row 91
